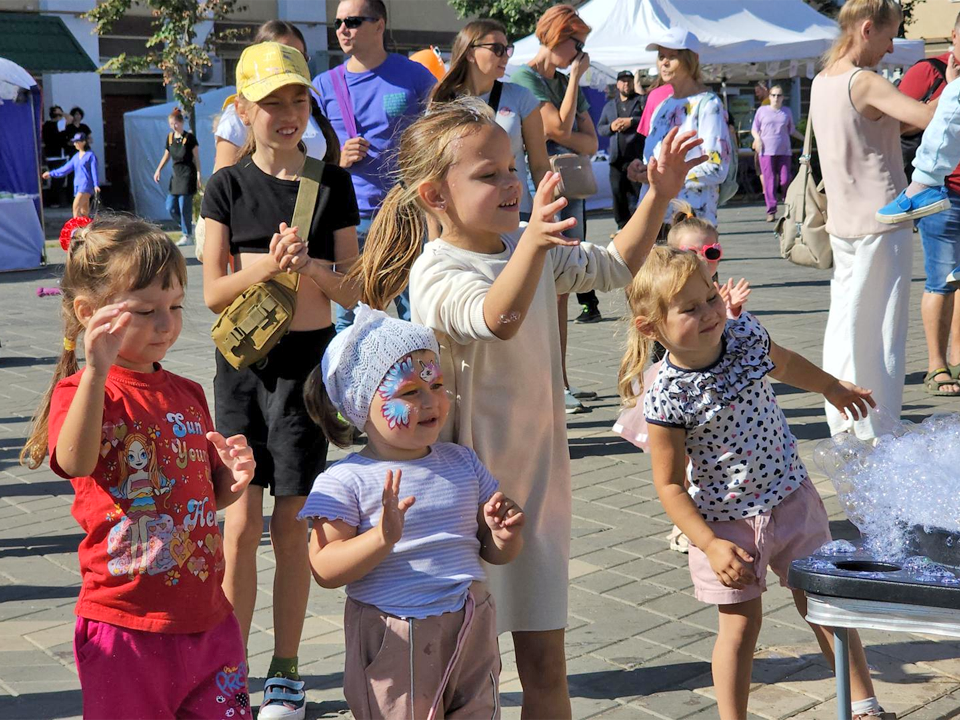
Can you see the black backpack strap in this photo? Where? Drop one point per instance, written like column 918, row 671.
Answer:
column 494, row 101
column 940, row 67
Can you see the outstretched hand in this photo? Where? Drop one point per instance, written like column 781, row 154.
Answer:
column 849, row 398
column 237, row 456
column 503, row 516
column 543, row 230
column 394, row 509
column 667, row 173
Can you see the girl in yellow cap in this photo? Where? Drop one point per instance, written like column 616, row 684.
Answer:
column 247, row 208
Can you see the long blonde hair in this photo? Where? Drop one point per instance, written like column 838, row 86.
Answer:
column 852, row 15
column 663, row 274
column 454, row 81
column 427, row 151
column 112, row 254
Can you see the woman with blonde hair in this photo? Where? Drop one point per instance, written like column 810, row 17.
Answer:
column 569, row 129
column 857, row 116
column 477, row 63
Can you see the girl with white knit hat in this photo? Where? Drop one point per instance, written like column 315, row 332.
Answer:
column 419, row 622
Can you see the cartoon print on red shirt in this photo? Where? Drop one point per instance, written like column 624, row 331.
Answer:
column 138, row 541
column 146, row 538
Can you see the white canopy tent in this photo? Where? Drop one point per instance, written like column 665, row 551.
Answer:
column 146, row 131
column 794, row 36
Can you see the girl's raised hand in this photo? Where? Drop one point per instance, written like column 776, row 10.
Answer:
column 394, row 509
column 237, row 455
column 847, row 397
column 543, row 229
column 503, row 516
column 288, row 250
column 734, row 296
column 729, row 563
column 104, row 336
column 667, row 173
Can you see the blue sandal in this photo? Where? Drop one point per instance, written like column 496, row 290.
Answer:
column 283, row 699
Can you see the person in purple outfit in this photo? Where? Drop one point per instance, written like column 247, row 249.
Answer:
column 370, row 100
column 85, row 169
column 772, row 129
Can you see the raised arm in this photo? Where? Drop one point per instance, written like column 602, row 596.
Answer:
column 666, row 176
column 874, row 96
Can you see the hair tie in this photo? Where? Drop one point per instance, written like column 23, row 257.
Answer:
column 69, row 345
column 70, row 229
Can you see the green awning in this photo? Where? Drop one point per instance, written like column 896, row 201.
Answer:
column 41, row 44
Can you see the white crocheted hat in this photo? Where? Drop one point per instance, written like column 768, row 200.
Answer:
column 358, row 358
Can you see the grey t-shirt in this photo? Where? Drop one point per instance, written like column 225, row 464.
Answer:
column 516, row 103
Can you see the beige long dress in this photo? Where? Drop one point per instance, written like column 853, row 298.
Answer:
column 509, row 404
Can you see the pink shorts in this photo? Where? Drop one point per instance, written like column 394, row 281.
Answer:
column 138, row 674
column 794, row 529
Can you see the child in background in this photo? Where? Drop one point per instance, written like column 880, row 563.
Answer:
column 136, row 443
column 937, row 157
column 247, row 209
column 420, row 625
column 751, row 503
column 85, row 171
column 480, row 284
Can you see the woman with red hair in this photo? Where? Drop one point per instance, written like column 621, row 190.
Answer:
column 569, row 129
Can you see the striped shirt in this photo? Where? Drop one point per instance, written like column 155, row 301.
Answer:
column 429, row 571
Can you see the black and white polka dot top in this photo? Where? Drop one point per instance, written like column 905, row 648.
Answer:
column 743, row 456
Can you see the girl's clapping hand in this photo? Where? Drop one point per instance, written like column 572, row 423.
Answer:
column 734, row 296
column 728, row 562
column 288, row 250
column 847, row 397
column 237, row 456
column 104, row 336
column 544, row 230
column 394, row 509
column 503, row 516
column 667, row 173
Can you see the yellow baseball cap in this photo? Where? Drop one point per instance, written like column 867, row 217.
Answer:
column 268, row 66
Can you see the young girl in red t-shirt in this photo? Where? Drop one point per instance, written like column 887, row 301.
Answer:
column 155, row 635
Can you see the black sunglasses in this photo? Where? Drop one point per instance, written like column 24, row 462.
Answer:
column 577, row 45
column 353, row 22
column 498, row 49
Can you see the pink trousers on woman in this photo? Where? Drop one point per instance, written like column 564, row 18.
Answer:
column 775, row 169
column 140, row 675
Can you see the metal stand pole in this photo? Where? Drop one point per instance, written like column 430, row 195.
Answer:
column 841, row 654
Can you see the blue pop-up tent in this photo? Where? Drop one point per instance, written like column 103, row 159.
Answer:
column 21, row 229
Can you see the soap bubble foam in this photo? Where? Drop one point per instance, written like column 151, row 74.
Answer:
column 909, row 478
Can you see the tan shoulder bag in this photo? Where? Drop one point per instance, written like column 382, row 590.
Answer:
column 261, row 315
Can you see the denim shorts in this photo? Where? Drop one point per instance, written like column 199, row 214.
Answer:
column 940, row 234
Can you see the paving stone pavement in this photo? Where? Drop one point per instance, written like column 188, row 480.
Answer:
column 638, row 643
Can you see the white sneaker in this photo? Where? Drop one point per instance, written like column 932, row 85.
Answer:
column 571, row 405
column 283, row 699
column 581, row 394
column 184, row 240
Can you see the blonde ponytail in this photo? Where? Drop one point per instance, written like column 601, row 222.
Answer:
column 392, row 246
column 852, row 15
column 427, row 151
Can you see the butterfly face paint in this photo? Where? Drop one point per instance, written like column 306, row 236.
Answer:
column 395, row 410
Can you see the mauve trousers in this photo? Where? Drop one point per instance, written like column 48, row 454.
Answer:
column 774, row 168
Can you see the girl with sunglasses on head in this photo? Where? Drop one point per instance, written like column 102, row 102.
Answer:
column 569, row 129
column 477, row 64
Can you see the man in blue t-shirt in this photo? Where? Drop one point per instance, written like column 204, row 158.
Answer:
column 370, row 100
